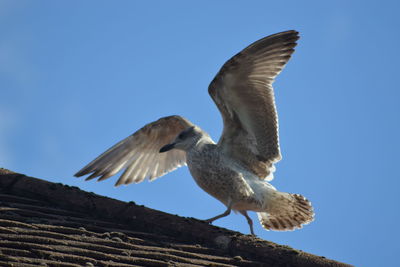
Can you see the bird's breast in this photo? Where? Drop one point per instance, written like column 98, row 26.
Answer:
column 211, row 173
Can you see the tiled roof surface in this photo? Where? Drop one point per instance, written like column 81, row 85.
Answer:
column 48, row 224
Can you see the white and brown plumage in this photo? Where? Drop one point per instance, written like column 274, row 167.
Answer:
column 236, row 169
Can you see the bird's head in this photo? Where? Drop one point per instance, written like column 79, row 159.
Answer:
column 185, row 139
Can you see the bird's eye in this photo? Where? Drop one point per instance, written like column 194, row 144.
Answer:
column 181, row 136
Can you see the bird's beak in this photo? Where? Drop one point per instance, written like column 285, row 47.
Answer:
column 167, row 147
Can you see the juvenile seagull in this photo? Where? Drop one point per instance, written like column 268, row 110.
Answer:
column 236, row 169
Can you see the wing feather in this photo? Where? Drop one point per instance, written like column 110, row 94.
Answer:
column 242, row 91
column 139, row 154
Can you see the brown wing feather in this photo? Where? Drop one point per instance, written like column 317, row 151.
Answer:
column 243, row 92
column 139, row 153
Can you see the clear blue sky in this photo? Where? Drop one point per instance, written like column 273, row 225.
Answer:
column 78, row 76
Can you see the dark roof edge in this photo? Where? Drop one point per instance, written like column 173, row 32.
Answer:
column 182, row 228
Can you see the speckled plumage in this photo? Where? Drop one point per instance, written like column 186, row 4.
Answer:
column 216, row 174
column 236, row 169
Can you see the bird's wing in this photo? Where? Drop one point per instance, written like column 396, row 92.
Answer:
column 243, row 92
column 139, row 154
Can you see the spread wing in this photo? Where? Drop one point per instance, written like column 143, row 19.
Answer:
column 139, row 154
column 243, row 92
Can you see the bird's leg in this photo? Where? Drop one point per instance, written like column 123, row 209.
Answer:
column 249, row 221
column 226, row 213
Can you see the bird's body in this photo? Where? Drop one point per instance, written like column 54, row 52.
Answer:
column 223, row 178
column 236, row 170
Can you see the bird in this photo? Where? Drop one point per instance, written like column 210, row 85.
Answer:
column 236, row 170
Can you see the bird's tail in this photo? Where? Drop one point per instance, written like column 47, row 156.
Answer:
column 286, row 212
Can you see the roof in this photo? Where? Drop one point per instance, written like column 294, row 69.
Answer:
column 59, row 225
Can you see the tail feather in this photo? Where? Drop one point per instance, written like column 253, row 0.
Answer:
column 286, row 212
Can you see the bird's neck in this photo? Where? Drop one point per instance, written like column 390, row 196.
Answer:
column 204, row 142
